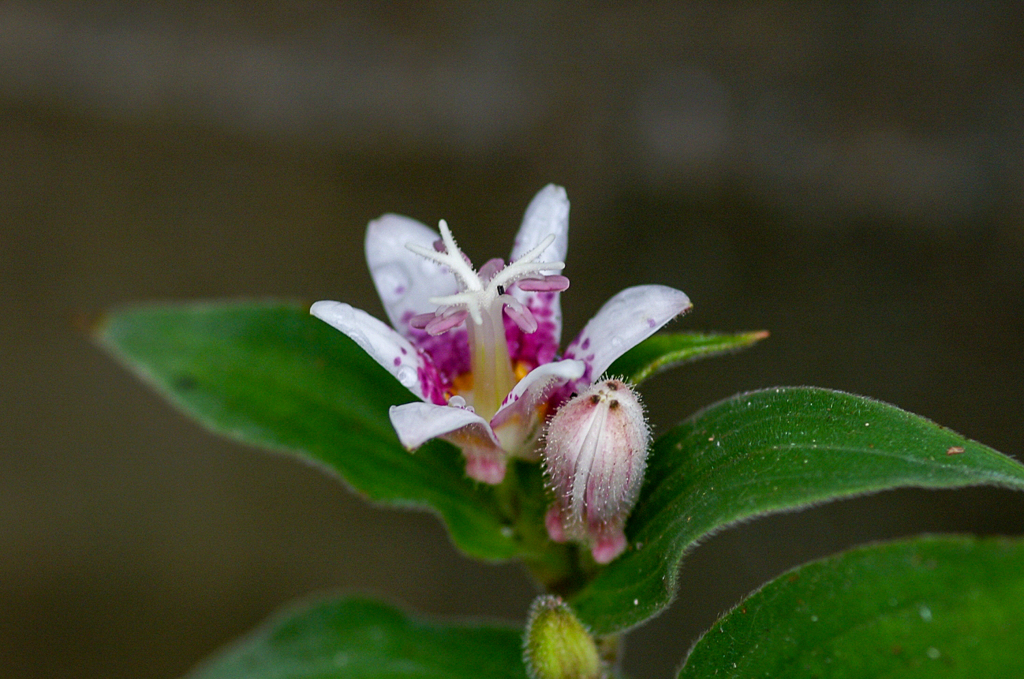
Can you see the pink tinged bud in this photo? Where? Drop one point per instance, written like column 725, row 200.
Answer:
column 594, row 459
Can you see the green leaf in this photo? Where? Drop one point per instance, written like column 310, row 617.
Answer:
column 770, row 451
column 661, row 352
column 353, row 638
column 268, row 374
column 931, row 607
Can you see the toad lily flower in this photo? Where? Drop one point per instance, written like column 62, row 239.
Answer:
column 479, row 347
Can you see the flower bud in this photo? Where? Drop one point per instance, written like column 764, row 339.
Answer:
column 594, row 459
column 557, row 645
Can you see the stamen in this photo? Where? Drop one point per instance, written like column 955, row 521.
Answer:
column 470, row 300
column 445, row 322
column 420, row 321
column 521, row 314
column 553, row 283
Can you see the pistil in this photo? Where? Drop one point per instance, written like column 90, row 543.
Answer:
column 482, row 298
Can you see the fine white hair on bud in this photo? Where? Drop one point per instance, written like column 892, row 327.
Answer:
column 557, row 645
column 594, row 458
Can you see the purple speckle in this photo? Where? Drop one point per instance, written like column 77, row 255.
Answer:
column 400, row 290
column 430, row 382
column 589, row 358
column 404, row 351
column 651, row 323
column 586, row 344
column 398, row 360
column 448, row 353
column 534, row 348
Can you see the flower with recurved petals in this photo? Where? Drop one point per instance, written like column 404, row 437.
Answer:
column 478, row 347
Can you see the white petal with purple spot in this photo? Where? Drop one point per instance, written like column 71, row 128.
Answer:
column 540, row 381
column 390, row 349
column 404, row 280
column 624, row 321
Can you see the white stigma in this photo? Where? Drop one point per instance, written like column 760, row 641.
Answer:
column 476, row 296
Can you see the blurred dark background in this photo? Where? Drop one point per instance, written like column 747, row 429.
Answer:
column 851, row 179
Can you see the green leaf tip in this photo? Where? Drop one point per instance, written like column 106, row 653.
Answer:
column 661, row 352
column 926, row 607
column 764, row 452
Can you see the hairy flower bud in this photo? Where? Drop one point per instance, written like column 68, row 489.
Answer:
column 594, row 459
column 557, row 645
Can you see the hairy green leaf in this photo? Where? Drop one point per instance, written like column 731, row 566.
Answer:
column 269, row 374
column 358, row 638
column 770, row 451
column 930, row 607
column 661, row 352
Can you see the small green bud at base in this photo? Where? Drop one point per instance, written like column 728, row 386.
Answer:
column 557, row 645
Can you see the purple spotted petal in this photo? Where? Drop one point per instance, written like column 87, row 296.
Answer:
column 547, row 214
column 535, row 387
column 523, row 317
column 404, row 280
column 624, row 321
column 520, row 420
column 537, row 347
column 394, row 352
column 448, row 352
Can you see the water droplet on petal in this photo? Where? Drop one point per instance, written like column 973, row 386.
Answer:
column 407, row 376
column 616, row 342
column 359, row 338
column 457, row 402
